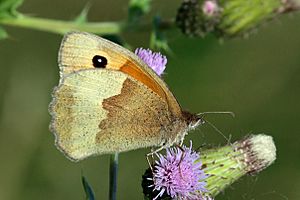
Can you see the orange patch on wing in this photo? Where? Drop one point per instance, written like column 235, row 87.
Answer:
column 131, row 69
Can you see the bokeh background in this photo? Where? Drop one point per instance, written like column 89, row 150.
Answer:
column 256, row 78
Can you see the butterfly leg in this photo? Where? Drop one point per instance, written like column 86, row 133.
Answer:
column 180, row 143
column 157, row 150
column 179, row 146
column 152, row 154
column 152, row 159
column 150, row 165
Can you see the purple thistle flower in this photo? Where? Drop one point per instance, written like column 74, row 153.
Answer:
column 154, row 60
column 179, row 174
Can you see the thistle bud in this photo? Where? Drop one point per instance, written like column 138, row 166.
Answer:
column 228, row 18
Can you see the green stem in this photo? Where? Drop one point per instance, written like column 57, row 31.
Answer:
column 113, row 174
column 62, row 27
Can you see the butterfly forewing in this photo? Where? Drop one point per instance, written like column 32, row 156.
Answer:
column 77, row 52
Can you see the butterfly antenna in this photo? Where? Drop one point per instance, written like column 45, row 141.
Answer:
column 217, row 112
column 220, row 132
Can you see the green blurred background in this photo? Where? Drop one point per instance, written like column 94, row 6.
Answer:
column 256, row 78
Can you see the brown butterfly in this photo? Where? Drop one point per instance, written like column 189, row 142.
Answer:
column 108, row 100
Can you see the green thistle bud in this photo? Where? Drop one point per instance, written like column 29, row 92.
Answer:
column 227, row 164
column 240, row 16
column 228, row 18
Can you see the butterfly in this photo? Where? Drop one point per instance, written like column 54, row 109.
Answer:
column 108, row 100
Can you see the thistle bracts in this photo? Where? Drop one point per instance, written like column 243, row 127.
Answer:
column 228, row 18
column 242, row 16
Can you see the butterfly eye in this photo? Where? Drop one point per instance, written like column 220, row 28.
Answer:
column 99, row 61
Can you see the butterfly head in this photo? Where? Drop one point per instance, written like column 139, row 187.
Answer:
column 193, row 120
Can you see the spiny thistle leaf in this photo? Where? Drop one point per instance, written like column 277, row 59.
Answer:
column 87, row 189
column 8, row 8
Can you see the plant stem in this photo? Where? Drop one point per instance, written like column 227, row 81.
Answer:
column 62, row 27
column 113, row 174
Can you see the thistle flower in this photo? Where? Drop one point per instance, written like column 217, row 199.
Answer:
column 228, row 18
column 178, row 175
column 154, row 60
column 185, row 175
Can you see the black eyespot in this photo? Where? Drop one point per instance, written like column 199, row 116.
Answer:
column 99, row 61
